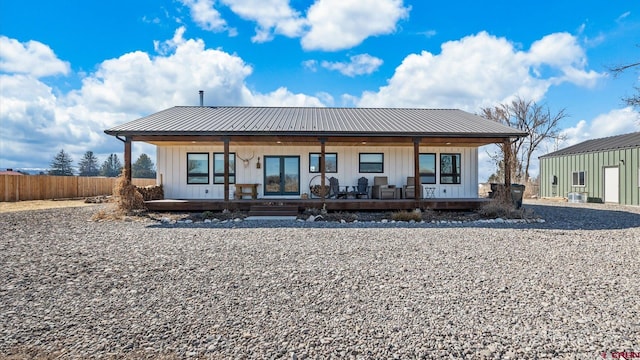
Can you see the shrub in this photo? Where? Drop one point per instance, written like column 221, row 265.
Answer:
column 337, row 216
column 127, row 196
column 501, row 206
column 407, row 215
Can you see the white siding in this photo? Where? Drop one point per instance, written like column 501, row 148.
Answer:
column 398, row 165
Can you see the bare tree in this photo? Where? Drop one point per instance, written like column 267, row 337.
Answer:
column 633, row 100
column 534, row 119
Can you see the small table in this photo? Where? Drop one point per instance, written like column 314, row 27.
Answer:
column 429, row 192
column 398, row 194
column 246, row 190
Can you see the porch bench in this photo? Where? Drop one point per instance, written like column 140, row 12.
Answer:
column 246, row 190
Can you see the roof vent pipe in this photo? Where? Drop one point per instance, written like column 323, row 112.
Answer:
column 201, row 97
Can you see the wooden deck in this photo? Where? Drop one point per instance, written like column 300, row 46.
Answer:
column 331, row 204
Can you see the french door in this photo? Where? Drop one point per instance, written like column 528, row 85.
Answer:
column 282, row 175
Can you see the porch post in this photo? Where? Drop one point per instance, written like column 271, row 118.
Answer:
column 322, row 167
column 416, row 169
column 127, row 158
column 226, row 169
column 507, row 167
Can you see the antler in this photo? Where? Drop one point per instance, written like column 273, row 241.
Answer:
column 246, row 161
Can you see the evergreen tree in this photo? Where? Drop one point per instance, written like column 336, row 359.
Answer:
column 61, row 165
column 88, row 166
column 143, row 168
column 111, row 167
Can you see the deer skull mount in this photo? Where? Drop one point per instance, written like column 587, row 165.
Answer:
column 245, row 162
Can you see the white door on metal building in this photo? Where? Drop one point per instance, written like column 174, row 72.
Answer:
column 611, row 184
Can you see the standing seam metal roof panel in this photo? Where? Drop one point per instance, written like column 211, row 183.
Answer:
column 373, row 121
column 625, row 141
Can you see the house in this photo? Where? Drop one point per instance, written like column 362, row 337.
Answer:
column 207, row 153
column 598, row 170
column 11, row 172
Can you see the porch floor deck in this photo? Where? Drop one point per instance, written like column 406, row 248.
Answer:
column 331, row 204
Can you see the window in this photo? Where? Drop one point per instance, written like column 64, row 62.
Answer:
column 427, row 168
column 449, row 168
column 197, row 168
column 218, row 168
column 330, row 162
column 371, row 163
column 578, row 178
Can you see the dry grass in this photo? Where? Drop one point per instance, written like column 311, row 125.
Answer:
column 40, row 205
column 407, row 215
column 502, row 207
column 127, row 201
column 126, row 195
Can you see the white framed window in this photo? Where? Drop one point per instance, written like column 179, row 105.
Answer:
column 578, row 178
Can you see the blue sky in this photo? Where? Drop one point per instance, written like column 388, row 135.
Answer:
column 72, row 69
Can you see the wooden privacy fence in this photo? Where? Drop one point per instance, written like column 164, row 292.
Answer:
column 43, row 187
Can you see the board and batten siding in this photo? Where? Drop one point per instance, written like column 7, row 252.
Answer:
column 398, row 165
column 593, row 164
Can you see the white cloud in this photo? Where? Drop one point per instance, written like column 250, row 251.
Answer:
column 561, row 52
column 623, row 16
column 339, row 24
column 283, row 97
column 483, row 70
column 31, row 58
column 36, row 123
column 272, row 17
column 428, row 34
column 615, row 122
column 362, row 64
column 329, row 24
column 205, row 15
column 311, row 65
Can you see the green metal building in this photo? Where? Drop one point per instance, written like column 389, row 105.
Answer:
column 599, row 170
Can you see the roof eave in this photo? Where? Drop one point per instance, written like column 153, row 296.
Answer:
column 313, row 134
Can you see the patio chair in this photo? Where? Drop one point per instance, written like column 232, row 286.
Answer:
column 409, row 190
column 362, row 190
column 381, row 189
column 334, row 189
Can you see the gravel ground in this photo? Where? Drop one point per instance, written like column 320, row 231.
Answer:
column 566, row 288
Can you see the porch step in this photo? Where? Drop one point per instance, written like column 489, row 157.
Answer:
column 273, row 210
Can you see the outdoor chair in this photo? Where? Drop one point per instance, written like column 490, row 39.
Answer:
column 334, row 189
column 381, row 189
column 409, row 190
column 362, row 190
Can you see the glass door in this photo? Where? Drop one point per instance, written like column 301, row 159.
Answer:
column 282, row 175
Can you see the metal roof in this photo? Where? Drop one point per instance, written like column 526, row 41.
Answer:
column 625, row 141
column 309, row 121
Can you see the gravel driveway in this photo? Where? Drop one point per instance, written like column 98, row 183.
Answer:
column 566, row 288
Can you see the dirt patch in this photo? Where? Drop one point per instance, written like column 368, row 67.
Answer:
column 40, row 204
